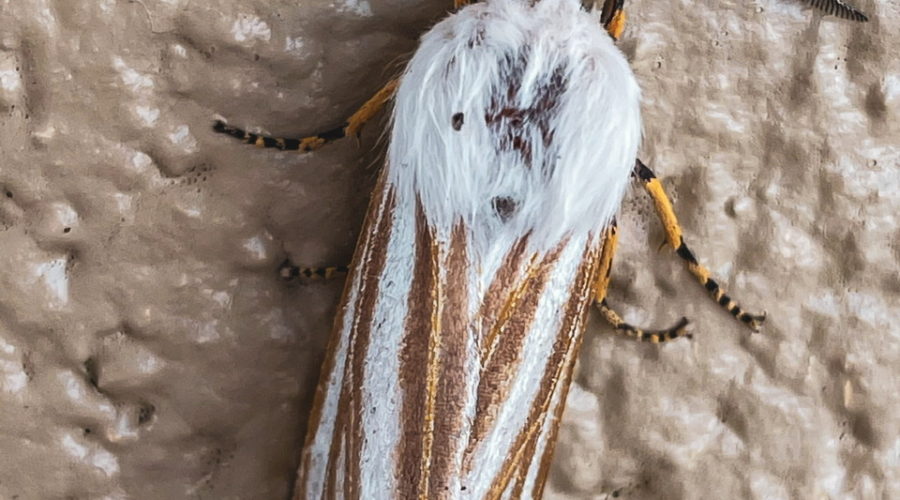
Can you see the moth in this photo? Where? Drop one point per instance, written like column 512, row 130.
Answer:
column 489, row 237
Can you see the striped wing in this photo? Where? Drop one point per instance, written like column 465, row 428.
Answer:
column 434, row 386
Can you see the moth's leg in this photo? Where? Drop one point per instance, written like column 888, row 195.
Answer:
column 288, row 271
column 666, row 215
column 610, row 241
column 612, row 16
column 351, row 127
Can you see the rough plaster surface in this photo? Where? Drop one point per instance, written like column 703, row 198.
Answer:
column 148, row 349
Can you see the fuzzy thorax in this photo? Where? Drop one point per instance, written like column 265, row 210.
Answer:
column 516, row 119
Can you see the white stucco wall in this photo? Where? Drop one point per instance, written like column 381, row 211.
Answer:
column 148, row 349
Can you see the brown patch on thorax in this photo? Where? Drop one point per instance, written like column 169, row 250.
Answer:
column 513, row 125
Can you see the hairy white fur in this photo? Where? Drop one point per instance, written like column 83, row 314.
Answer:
column 459, row 68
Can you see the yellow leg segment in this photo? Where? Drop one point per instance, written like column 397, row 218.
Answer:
column 289, row 272
column 612, row 16
column 351, row 127
column 371, row 107
column 674, row 238
column 610, row 241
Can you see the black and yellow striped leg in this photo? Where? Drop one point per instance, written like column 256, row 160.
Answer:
column 674, row 238
column 612, row 15
column 351, row 127
column 289, row 272
column 610, row 241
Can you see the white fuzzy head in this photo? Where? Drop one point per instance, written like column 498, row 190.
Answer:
column 516, row 119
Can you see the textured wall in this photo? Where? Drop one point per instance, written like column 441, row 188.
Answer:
column 148, row 349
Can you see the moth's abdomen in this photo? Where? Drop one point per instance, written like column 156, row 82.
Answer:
column 517, row 117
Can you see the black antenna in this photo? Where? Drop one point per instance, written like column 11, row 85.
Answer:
column 839, row 8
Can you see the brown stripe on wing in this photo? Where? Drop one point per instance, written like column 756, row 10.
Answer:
column 558, row 371
column 449, row 404
column 330, row 489
column 373, row 269
column 501, row 360
column 574, row 321
column 339, row 438
column 347, row 429
column 498, row 293
column 416, row 354
column 377, row 223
